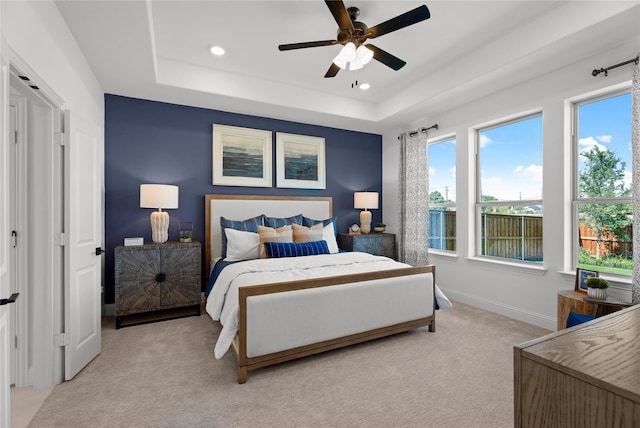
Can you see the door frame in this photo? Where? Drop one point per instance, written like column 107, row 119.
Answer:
column 19, row 273
column 46, row 311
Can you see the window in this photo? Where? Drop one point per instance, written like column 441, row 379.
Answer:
column 603, row 213
column 442, row 194
column 509, row 193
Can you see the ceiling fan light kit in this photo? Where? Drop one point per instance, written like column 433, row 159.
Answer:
column 352, row 34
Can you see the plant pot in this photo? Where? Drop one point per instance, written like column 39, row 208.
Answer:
column 597, row 293
column 379, row 229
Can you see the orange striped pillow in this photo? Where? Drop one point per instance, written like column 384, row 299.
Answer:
column 307, row 234
column 270, row 234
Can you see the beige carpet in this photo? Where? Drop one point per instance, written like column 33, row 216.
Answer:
column 164, row 375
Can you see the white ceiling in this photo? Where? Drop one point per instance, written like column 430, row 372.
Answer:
column 158, row 50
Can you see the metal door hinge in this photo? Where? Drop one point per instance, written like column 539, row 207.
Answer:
column 61, row 339
column 59, row 239
column 14, row 238
column 59, row 136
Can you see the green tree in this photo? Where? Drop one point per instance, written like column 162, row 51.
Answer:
column 602, row 177
column 436, row 197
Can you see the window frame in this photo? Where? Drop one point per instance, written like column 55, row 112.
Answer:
column 479, row 204
column 576, row 201
column 446, row 205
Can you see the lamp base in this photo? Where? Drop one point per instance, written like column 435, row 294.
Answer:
column 159, row 227
column 365, row 221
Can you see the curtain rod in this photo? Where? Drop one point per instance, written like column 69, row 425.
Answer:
column 412, row 133
column 595, row 72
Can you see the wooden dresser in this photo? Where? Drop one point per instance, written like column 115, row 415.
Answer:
column 156, row 278
column 585, row 376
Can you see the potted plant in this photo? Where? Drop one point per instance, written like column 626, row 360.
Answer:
column 597, row 288
column 380, row 227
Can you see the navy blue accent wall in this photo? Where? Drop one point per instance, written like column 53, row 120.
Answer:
column 153, row 142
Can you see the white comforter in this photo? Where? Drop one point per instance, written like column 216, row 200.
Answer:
column 222, row 303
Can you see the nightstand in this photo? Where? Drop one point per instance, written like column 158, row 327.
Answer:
column 379, row 244
column 156, row 280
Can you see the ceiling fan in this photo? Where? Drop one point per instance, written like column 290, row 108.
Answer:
column 352, row 34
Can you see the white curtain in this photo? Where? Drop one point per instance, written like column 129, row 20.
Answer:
column 635, row 147
column 413, row 244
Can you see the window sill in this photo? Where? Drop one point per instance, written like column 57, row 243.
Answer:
column 533, row 269
column 615, row 281
column 440, row 253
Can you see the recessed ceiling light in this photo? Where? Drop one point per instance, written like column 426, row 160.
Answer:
column 217, row 50
column 364, row 86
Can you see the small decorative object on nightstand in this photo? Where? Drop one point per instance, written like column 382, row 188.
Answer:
column 379, row 244
column 157, row 277
column 186, row 231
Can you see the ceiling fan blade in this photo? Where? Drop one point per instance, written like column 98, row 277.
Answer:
column 408, row 18
column 386, row 58
column 340, row 14
column 303, row 45
column 333, row 70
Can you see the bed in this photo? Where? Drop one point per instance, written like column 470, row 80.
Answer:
column 274, row 309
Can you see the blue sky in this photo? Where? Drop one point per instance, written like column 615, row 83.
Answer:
column 511, row 155
column 607, row 123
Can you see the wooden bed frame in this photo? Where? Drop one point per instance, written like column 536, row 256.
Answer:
column 239, row 344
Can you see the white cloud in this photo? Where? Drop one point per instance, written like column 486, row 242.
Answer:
column 604, row 138
column 452, row 171
column 532, row 172
column 492, row 180
column 586, row 144
column 432, row 171
column 484, row 140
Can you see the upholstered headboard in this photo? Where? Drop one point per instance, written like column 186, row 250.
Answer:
column 240, row 207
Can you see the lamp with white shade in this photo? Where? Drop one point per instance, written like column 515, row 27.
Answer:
column 365, row 201
column 159, row 196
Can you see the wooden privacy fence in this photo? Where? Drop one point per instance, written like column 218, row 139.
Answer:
column 512, row 236
column 610, row 244
column 442, row 230
column 519, row 236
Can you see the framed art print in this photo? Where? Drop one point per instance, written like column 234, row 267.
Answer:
column 581, row 278
column 241, row 156
column 300, row 161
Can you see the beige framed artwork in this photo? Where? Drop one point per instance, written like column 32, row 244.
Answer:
column 300, row 161
column 241, row 156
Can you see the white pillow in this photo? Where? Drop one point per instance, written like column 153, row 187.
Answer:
column 329, row 235
column 242, row 245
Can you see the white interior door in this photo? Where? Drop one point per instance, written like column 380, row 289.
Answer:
column 5, row 407
column 83, row 235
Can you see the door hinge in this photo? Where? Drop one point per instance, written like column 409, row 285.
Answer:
column 14, row 238
column 61, row 339
column 60, row 137
column 59, row 239
column 15, row 137
column 15, row 342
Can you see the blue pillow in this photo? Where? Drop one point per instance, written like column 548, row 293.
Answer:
column 276, row 222
column 248, row 225
column 308, row 222
column 575, row 318
column 295, row 249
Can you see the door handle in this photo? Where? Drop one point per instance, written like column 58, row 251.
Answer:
column 11, row 299
column 99, row 251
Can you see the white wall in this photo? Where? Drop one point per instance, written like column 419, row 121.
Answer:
column 526, row 294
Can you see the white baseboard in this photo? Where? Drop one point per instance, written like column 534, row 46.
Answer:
column 499, row 308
